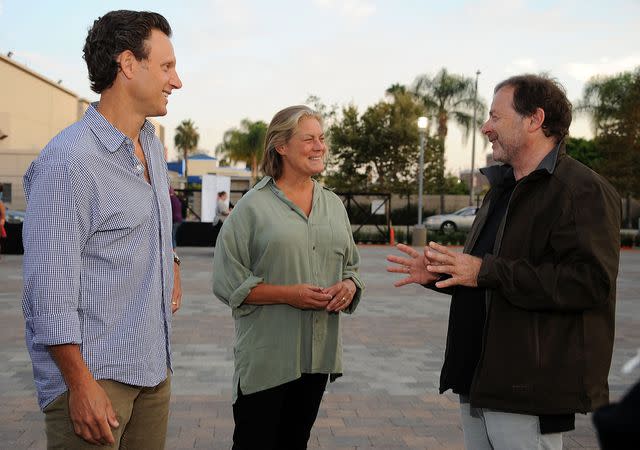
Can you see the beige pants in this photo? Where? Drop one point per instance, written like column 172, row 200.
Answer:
column 142, row 412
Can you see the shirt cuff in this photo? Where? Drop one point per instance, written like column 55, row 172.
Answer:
column 486, row 277
column 353, row 276
column 240, row 294
column 56, row 330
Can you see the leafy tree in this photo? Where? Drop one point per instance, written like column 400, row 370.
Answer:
column 455, row 186
column 614, row 105
column 245, row 144
column 377, row 150
column 186, row 139
column 447, row 97
column 584, row 150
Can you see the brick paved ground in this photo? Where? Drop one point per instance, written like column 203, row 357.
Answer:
column 387, row 399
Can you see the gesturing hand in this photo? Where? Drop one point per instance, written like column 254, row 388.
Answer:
column 308, row 296
column 415, row 267
column 91, row 413
column 463, row 268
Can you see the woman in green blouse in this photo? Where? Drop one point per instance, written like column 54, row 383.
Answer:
column 286, row 264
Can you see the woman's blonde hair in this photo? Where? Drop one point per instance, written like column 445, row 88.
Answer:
column 280, row 130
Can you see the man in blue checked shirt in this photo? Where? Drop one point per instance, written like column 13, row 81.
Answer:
column 101, row 279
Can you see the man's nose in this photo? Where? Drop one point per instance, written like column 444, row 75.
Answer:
column 176, row 82
column 485, row 128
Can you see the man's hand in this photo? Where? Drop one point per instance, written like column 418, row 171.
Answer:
column 308, row 296
column 176, row 294
column 463, row 268
column 415, row 267
column 90, row 409
column 91, row 413
column 341, row 295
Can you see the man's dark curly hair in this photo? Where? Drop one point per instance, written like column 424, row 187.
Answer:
column 540, row 91
column 114, row 33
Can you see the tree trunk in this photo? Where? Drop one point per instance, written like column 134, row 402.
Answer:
column 254, row 170
column 629, row 224
column 186, row 167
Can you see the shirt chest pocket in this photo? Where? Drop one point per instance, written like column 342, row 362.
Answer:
column 332, row 241
column 126, row 212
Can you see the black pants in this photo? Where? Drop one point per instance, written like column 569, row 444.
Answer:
column 279, row 418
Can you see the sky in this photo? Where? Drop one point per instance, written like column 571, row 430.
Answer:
column 248, row 59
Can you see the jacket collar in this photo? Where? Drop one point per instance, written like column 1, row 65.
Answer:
column 499, row 173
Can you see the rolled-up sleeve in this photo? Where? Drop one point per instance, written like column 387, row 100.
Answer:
column 351, row 265
column 53, row 233
column 232, row 276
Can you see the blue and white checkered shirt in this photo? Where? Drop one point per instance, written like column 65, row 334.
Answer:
column 98, row 264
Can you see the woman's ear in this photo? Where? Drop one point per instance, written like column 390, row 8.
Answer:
column 281, row 149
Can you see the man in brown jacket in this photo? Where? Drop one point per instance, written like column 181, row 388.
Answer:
column 531, row 323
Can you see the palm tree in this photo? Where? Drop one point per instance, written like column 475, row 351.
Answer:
column 245, row 144
column 446, row 97
column 186, row 139
column 613, row 102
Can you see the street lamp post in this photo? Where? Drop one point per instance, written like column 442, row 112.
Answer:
column 473, row 143
column 419, row 237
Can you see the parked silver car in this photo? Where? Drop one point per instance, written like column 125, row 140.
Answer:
column 448, row 223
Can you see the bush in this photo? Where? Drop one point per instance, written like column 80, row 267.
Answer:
column 626, row 240
column 409, row 216
column 454, row 238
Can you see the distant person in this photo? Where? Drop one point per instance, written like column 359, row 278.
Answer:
column 287, row 266
column 101, row 280
column 176, row 215
column 222, row 212
column 532, row 316
column 222, row 208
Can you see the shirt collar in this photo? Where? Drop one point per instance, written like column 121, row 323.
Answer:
column 107, row 134
column 548, row 163
column 498, row 174
column 262, row 183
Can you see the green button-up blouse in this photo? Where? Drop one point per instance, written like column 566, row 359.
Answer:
column 267, row 238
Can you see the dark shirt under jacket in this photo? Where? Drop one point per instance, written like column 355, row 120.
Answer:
column 468, row 307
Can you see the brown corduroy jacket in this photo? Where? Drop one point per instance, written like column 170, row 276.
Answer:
column 551, row 286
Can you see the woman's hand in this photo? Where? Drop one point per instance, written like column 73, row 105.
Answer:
column 342, row 294
column 308, row 296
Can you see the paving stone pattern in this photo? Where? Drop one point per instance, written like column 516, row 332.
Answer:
column 387, row 399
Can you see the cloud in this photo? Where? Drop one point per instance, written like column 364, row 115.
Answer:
column 605, row 66
column 522, row 65
column 353, row 9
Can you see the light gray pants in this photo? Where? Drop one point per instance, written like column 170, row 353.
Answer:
column 488, row 429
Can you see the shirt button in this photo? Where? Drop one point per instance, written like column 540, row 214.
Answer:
column 314, row 247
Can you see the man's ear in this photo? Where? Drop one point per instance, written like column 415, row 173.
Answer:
column 536, row 119
column 127, row 61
